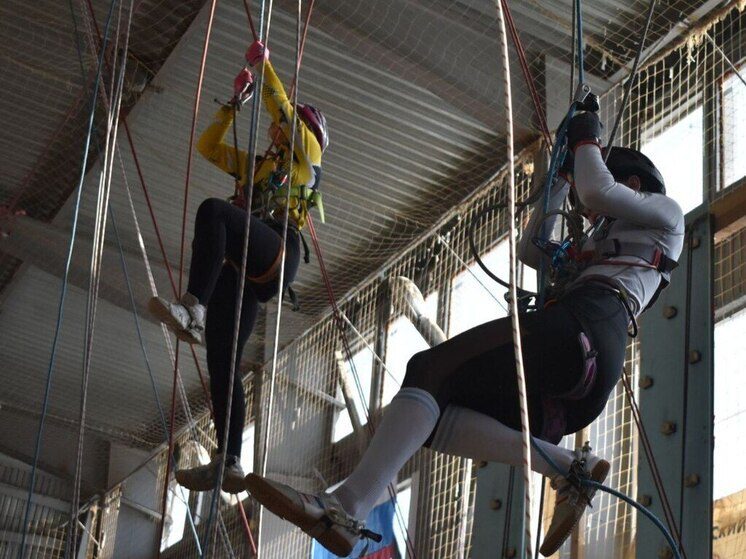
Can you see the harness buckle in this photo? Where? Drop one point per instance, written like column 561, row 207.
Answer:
column 657, row 258
column 581, row 93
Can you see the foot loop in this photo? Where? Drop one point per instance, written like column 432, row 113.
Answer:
column 579, row 474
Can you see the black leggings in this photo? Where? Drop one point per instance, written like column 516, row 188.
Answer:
column 218, row 235
column 476, row 369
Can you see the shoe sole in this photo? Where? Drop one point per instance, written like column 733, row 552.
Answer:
column 230, row 485
column 160, row 310
column 184, row 482
column 552, row 542
column 279, row 504
column 233, row 485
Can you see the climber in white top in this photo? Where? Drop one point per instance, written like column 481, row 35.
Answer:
column 461, row 397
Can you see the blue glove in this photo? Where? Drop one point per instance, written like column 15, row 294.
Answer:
column 584, row 128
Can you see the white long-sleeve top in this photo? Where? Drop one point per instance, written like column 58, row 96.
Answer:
column 639, row 217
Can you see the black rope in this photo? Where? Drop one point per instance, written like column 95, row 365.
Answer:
column 508, row 512
column 687, row 342
column 237, row 170
column 541, row 514
column 631, row 80
column 477, row 219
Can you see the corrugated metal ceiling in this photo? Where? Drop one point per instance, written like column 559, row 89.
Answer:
column 413, row 98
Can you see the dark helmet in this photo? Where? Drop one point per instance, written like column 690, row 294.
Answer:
column 316, row 121
column 625, row 162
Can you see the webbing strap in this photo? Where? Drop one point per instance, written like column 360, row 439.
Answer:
column 608, row 248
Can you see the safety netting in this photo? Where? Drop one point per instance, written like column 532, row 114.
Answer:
column 412, row 93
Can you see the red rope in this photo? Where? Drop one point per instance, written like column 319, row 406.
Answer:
column 205, row 389
column 192, row 133
column 292, row 85
column 540, row 114
column 159, row 237
column 647, row 447
column 251, row 19
column 11, row 205
column 302, row 44
column 146, row 193
column 337, row 314
column 138, row 168
column 246, row 527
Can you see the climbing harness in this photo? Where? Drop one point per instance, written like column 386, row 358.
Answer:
column 583, row 100
column 569, row 252
column 275, row 183
column 554, row 416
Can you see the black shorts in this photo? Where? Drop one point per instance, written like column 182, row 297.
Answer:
column 476, row 369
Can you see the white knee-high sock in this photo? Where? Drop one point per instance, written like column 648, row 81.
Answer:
column 470, row 434
column 407, row 423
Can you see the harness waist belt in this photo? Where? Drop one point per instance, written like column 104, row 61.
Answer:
column 609, row 248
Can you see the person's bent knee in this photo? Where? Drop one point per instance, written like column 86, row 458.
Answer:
column 420, row 373
column 210, row 209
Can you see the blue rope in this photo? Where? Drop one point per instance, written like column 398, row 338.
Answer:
column 558, row 149
column 558, row 154
column 84, row 74
column 250, row 170
column 590, row 483
column 65, row 281
column 141, row 339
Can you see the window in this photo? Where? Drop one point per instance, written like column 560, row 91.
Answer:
column 404, row 500
column 247, row 454
column 734, row 129
column 677, row 151
column 476, row 298
column 362, row 363
column 730, row 406
column 403, row 341
column 176, row 515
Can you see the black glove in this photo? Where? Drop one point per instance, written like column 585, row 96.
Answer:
column 591, row 103
column 584, row 127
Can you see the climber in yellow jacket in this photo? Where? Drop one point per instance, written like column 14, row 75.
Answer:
column 217, row 248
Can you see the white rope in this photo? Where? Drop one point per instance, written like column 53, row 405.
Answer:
column 525, row 428
column 725, row 57
column 286, row 216
column 104, row 191
column 242, row 277
column 471, row 272
column 191, row 422
column 371, row 349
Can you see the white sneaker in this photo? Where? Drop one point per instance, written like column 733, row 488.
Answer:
column 573, row 497
column 319, row 516
column 202, row 478
column 186, row 318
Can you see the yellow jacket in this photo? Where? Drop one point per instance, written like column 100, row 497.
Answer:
column 306, row 166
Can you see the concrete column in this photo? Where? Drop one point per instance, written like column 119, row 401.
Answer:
column 137, row 535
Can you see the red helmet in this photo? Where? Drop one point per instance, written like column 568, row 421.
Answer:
column 316, row 121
